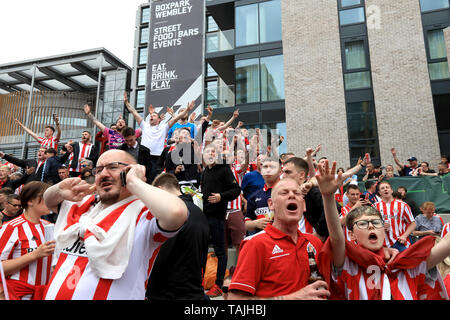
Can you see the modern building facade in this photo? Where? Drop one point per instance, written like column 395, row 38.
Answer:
column 31, row 91
column 357, row 76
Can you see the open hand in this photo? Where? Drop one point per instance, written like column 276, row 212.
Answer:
column 328, row 183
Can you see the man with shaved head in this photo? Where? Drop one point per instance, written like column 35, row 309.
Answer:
column 106, row 242
column 273, row 264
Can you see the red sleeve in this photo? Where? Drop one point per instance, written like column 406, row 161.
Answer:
column 249, row 268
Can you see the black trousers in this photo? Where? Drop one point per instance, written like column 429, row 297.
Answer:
column 217, row 236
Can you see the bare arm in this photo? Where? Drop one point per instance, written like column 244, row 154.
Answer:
column 170, row 210
column 394, row 154
column 31, row 133
column 71, row 189
column 87, row 111
column 309, row 159
column 230, row 122
column 132, row 110
column 352, row 171
column 328, row 185
column 12, row 266
column 183, row 114
column 58, row 128
column 439, row 252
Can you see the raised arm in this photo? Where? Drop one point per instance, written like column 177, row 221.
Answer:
column 58, row 128
column 309, row 159
column 31, row 133
column 87, row 111
column 70, row 189
column 132, row 110
column 230, row 122
column 181, row 115
column 352, row 171
column 394, row 154
column 168, row 209
column 328, row 185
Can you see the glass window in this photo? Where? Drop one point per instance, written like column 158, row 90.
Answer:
column 142, row 77
column 361, row 126
column 145, row 17
column 355, row 55
column 143, row 55
column 359, row 107
column 272, row 78
column 439, row 70
column 212, row 25
column 357, row 80
column 247, row 25
column 144, row 35
column 210, row 72
column 348, row 3
column 140, row 99
column 428, row 5
column 350, row 16
column 270, row 21
column 436, row 43
column 247, row 81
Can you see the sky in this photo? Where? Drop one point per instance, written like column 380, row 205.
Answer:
column 32, row 29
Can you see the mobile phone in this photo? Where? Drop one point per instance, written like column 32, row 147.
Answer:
column 123, row 178
column 367, row 158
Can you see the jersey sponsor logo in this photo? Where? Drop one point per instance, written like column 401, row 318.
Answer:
column 77, row 249
column 262, row 211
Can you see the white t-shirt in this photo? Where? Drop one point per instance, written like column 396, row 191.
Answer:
column 153, row 137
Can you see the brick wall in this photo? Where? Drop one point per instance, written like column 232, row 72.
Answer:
column 401, row 84
column 315, row 102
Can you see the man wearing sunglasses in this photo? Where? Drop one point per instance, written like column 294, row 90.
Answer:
column 12, row 207
column 106, row 249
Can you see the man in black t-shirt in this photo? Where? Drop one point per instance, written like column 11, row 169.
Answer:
column 178, row 269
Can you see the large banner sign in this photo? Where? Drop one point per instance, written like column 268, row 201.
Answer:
column 175, row 55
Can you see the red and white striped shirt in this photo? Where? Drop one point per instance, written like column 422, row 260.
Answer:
column 85, row 151
column 74, row 279
column 399, row 215
column 445, row 229
column 49, row 142
column 238, row 174
column 19, row 237
column 344, row 211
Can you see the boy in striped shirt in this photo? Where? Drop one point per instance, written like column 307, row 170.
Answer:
column 359, row 271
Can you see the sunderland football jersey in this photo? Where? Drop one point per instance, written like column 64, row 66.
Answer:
column 48, row 142
column 398, row 214
column 238, row 174
column 73, row 278
column 356, row 284
column 85, row 151
column 19, row 237
column 344, row 211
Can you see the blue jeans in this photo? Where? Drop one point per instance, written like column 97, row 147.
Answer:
column 217, row 235
column 400, row 247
